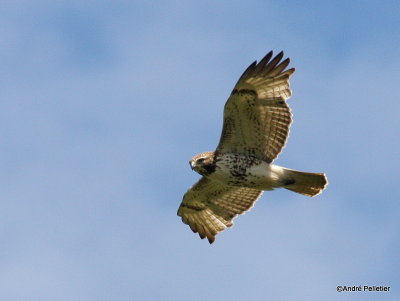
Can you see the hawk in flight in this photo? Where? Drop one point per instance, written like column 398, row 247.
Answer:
column 255, row 129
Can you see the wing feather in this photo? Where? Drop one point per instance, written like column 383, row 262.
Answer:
column 263, row 62
column 256, row 116
column 209, row 207
column 265, row 69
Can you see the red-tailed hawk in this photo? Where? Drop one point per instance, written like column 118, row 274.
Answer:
column 256, row 126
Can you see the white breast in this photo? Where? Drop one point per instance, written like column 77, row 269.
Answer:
column 241, row 171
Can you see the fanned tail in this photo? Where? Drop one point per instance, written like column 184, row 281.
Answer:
column 307, row 183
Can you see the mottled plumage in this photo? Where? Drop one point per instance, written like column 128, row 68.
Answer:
column 255, row 129
column 256, row 116
column 211, row 212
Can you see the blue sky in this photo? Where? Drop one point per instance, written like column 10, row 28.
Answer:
column 103, row 103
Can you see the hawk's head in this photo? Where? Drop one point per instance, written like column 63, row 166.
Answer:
column 203, row 163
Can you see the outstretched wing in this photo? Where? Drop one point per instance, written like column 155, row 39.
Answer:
column 256, row 116
column 209, row 207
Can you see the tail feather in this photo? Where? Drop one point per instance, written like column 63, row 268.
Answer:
column 307, row 183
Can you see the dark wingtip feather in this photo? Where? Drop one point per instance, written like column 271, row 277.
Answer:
column 268, row 68
column 284, row 63
column 248, row 70
column 279, row 68
column 268, row 56
column 288, row 72
column 211, row 239
column 272, row 64
column 275, row 60
column 263, row 61
column 278, row 57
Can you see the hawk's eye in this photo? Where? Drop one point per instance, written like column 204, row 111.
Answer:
column 201, row 160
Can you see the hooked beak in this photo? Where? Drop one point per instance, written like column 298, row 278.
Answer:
column 191, row 164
